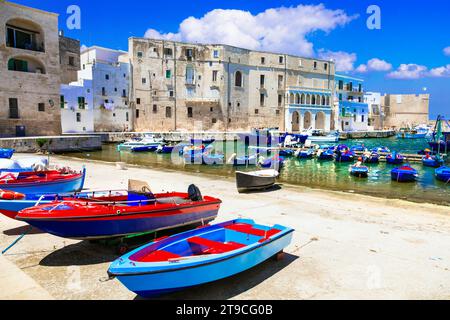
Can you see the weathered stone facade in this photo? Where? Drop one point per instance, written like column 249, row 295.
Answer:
column 69, row 56
column 403, row 110
column 191, row 87
column 29, row 71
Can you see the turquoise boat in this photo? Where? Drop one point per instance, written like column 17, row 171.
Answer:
column 199, row 256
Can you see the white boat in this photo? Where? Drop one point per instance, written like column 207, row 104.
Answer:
column 256, row 180
column 319, row 136
column 147, row 142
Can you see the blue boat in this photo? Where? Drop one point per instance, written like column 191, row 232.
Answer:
column 44, row 182
column 6, row 153
column 305, row 154
column 325, row 154
column 274, row 162
column 395, row 158
column 164, row 148
column 404, row 174
column 432, row 161
column 359, row 171
column 286, row 152
column 346, row 156
column 143, row 148
column 199, row 256
column 443, row 174
column 360, row 148
column 381, row 150
column 372, row 158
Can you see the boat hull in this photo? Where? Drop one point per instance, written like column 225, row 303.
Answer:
column 6, row 153
column 246, row 181
column 443, row 174
column 155, row 284
column 403, row 175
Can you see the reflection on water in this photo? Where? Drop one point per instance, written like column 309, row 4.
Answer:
column 312, row 173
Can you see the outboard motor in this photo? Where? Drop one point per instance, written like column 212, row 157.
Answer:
column 194, row 193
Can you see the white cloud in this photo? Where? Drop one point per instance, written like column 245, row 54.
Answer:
column 440, row 72
column 447, row 51
column 276, row 30
column 409, row 71
column 344, row 61
column 374, row 64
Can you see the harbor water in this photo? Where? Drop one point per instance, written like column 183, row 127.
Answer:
column 312, row 173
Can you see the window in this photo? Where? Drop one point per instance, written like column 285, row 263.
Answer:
column 214, row 75
column 103, row 91
column 78, row 117
column 114, row 115
column 189, row 54
column 61, row 102
column 238, row 79
column 362, row 118
column 72, row 61
column 189, row 112
column 139, row 54
column 211, row 109
column 168, row 74
column 126, row 116
column 41, row 107
column 84, row 66
column 137, row 113
column 190, row 75
column 360, row 87
column 124, row 75
column 124, row 93
column 262, row 78
column 144, row 80
column 256, row 111
column 106, row 76
column 263, row 60
column 262, row 97
column 168, row 112
column 277, row 112
column 155, row 108
column 281, row 59
column 167, row 51
column 325, row 66
column 341, row 85
column 171, row 93
column 81, row 102
column 280, row 81
column 280, row 100
column 315, row 64
column 13, row 108
column 216, row 54
column 138, row 101
column 17, row 65
column 214, row 120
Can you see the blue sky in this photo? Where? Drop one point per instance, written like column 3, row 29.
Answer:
column 413, row 33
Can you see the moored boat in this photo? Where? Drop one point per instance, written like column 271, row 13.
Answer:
column 371, row 157
column 359, row 171
column 199, row 256
column 327, row 154
column 43, row 181
column 345, row 156
column 121, row 215
column 432, row 161
column 404, row 174
column 443, row 174
column 6, row 153
column 256, row 180
column 275, row 162
column 146, row 143
column 395, row 158
column 305, row 154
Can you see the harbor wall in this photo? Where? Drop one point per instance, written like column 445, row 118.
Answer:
column 53, row 144
column 367, row 134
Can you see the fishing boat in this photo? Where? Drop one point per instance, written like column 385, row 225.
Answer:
column 165, row 148
column 292, row 140
column 345, row 156
column 65, row 180
column 381, row 150
column 305, row 154
column 359, row 171
column 440, row 140
column 327, row 154
column 256, row 180
column 120, row 215
column 404, row 174
column 199, row 256
column 275, row 162
column 146, row 143
column 443, row 174
column 370, row 157
column 395, row 158
column 432, row 161
column 419, row 132
column 319, row 136
column 6, row 153
column 359, row 148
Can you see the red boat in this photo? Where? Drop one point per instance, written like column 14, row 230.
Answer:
column 121, row 214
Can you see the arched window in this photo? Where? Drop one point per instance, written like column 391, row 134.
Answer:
column 313, row 101
column 308, row 99
column 25, row 64
column 297, row 98
column 302, row 98
column 324, row 103
column 238, row 79
column 318, row 99
column 291, row 98
column 328, row 100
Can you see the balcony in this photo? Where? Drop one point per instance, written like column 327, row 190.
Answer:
column 25, row 35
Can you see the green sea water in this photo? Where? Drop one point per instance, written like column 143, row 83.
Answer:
column 312, row 173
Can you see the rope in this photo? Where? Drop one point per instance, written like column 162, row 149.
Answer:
column 18, row 239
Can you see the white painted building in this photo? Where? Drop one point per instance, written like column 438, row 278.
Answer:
column 98, row 101
column 373, row 100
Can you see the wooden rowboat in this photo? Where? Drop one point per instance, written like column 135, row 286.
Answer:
column 255, row 180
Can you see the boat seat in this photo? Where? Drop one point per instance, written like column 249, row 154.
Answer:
column 214, row 247
column 159, row 256
column 250, row 229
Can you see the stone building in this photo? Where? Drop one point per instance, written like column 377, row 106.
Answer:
column 98, row 100
column 30, row 71
column 373, row 100
column 405, row 110
column 185, row 87
column 69, row 57
column 349, row 99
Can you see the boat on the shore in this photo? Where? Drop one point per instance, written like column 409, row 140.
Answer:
column 63, row 180
column 404, row 174
column 256, row 180
column 443, row 174
column 199, row 256
column 129, row 213
column 6, row 153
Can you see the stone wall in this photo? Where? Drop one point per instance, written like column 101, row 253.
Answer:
column 53, row 144
column 405, row 110
column 69, row 54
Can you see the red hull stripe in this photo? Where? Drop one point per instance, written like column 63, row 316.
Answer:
column 9, row 214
